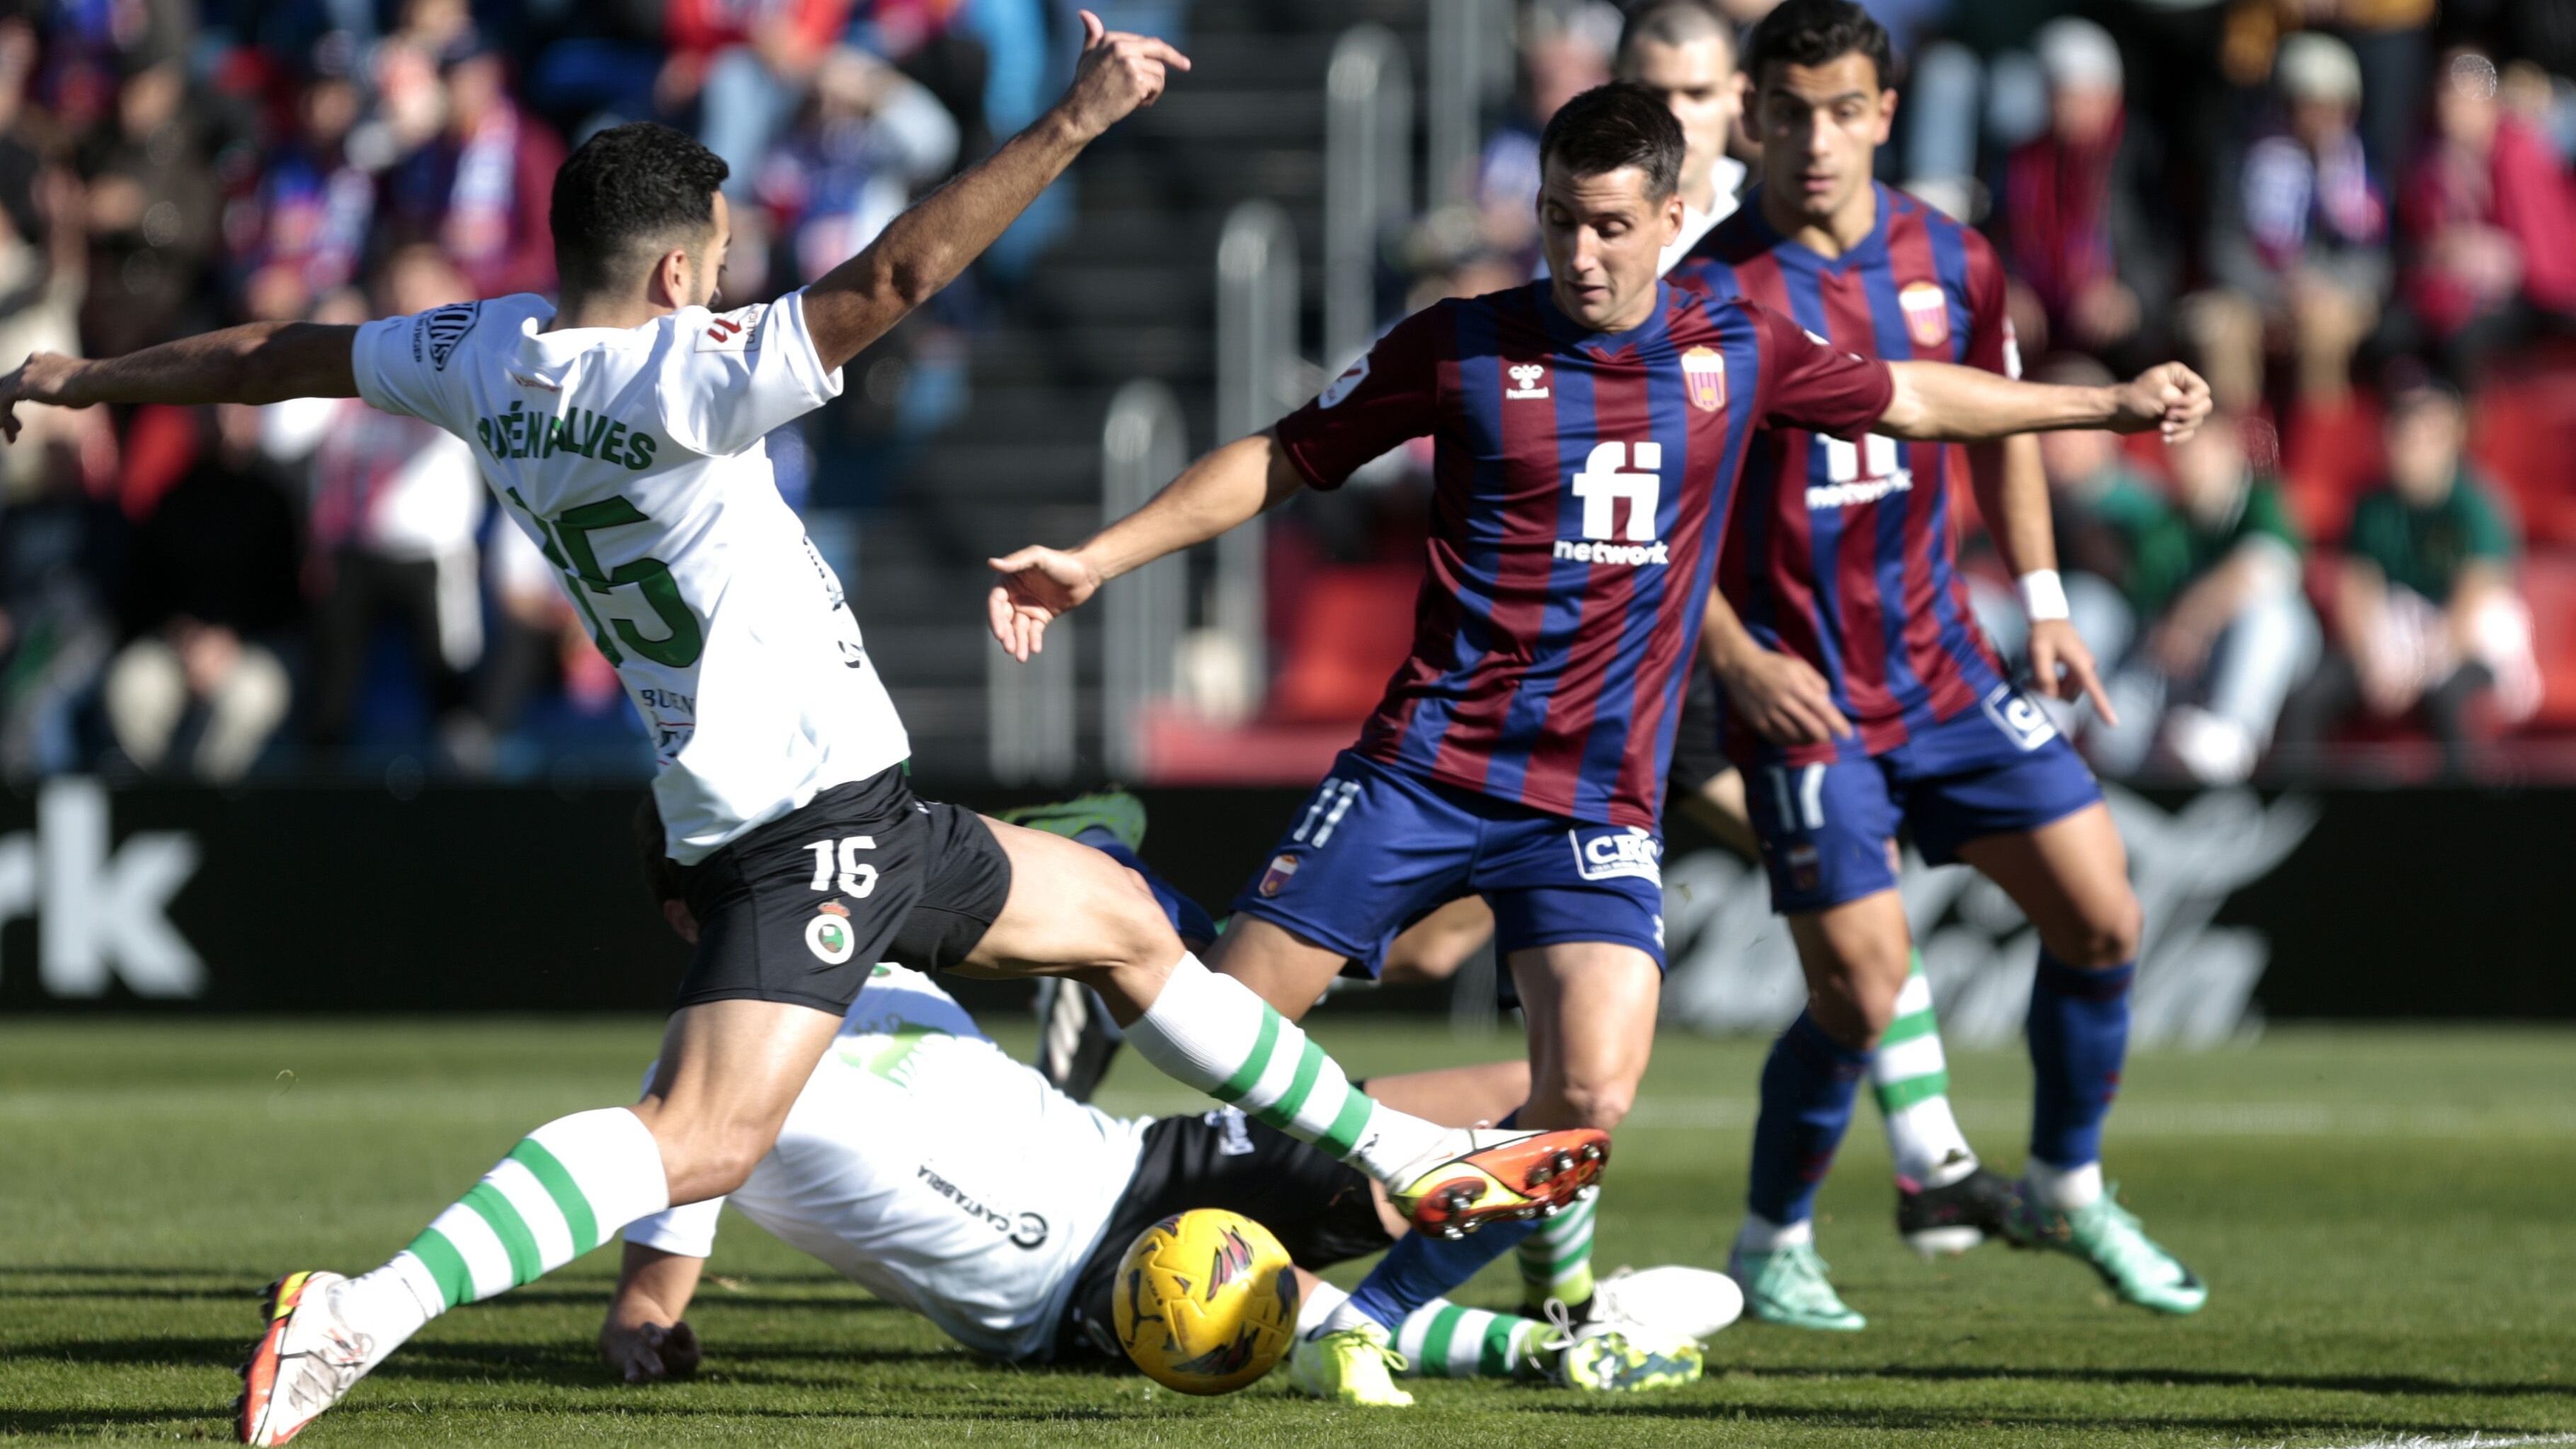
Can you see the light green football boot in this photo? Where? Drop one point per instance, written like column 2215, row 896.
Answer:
column 1604, row 1359
column 1789, row 1288
column 2107, row 1236
column 1113, row 810
column 1354, row 1366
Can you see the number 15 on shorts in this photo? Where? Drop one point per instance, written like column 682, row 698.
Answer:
column 855, row 877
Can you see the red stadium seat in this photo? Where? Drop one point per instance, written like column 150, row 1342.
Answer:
column 1354, row 623
column 2329, row 456
column 2523, row 428
column 2549, row 586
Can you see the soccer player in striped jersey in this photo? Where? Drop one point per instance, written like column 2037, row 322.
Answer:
column 1588, row 432
column 1861, row 696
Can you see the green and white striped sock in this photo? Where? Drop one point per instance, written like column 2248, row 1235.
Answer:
column 1211, row 1032
column 1556, row 1260
column 1441, row 1340
column 1911, row 1079
column 565, row 1189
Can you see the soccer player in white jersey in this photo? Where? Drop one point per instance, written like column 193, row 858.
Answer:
column 930, row 1168
column 623, row 428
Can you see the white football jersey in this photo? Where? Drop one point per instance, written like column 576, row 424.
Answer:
column 634, row 459
column 934, row 1171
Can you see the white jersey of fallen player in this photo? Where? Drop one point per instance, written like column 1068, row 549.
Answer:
column 934, row 1171
column 634, row 458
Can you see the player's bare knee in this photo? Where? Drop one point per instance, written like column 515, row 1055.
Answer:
column 1603, row 1104
column 2105, row 938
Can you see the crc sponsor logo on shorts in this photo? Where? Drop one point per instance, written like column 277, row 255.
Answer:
column 1025, row 1230
column 1283, row 869
column 2016, row 716
column 1616, row 852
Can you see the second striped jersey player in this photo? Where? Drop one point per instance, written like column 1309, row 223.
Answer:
column 1588, row 431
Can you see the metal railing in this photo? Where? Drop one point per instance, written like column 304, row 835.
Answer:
column 1469, row 64
column 1256, row 372
column 1368, row 178
column 1029, row 711
column 1143, row 443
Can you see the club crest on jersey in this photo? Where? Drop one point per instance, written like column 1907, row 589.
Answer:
column 1283, row 869
column 828, row 935
column 1614, row 852
column 1352, row 376
column 1529, row 381
column 1927, row 313
column 1705, row 373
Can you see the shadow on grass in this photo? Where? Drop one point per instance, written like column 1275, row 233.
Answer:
column 2392, row 1384
column 2077, row 1426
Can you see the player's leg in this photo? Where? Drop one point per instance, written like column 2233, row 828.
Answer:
column 1077, row 1038
column 2070, row 877
column 782, row 950
column 1946, row 1201
column 1432, row 949
column 1590, row 1007
column 1854, row 955
column 1828, row 836
column 1209, row 1031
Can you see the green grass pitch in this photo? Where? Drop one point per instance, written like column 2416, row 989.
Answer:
column 2385, row 1218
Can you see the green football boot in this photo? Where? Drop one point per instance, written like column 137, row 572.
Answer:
column 1789, row 1288
column 1120, row 814
column 2107, row 1236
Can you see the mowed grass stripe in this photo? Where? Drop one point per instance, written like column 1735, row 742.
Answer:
column 2361, row 1297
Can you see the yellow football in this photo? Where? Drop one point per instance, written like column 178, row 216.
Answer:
column 1206, row 1301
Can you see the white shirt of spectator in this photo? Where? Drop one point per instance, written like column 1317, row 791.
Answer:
column 635, row 459
column 1727, row 174
column 934, row 1171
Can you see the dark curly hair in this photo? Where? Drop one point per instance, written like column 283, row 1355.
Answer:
column 1813, row 32
column 627, row 191
column 1608, row 127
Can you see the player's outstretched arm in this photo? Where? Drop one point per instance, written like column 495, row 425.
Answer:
column 924, row 249
column 260, row 362
column 1227, row 487
column 645, row 1337
column 1942, row 402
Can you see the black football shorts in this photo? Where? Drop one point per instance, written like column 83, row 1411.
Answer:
column 800, row 909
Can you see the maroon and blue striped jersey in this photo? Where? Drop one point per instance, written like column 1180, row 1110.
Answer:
column 1580, row 489
column 1841, row 553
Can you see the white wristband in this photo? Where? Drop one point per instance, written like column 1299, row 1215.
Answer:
column 2043, row 595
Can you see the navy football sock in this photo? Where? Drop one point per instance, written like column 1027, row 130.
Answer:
column 1424, row 1266
column 1808, row 1087
column 2079, row 1035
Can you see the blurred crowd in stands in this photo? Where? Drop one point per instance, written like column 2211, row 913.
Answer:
column 2357, row 218
column 319, row 587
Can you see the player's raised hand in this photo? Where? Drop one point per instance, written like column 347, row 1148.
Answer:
column 1782, row 698
column 1118, row 73
column 1037, row 585
column 2169, row 397
column 45, row 377
column 2061, row 667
